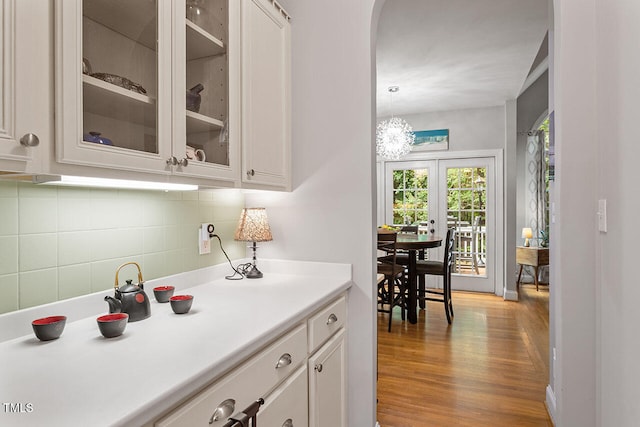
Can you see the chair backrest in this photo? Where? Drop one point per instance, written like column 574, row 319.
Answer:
column 448, row 249
column 409, row 229
column 387, row 244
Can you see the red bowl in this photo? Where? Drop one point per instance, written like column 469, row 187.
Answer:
column 163, row 293
column 181, row 304
column 49, row 328
column 112, row 325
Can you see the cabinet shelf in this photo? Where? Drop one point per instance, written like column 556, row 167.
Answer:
column 106, row 99
column 135, row 20
column 197, row 123
column 201, row 44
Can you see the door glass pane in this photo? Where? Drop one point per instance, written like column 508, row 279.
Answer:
column 411, row 196
column 120, row 63
column 466, row 212
column 207, row 98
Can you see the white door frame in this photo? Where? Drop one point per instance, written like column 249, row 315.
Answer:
column 497, row 155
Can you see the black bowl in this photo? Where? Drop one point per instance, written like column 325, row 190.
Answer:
column 49, row 328
column 112, row 325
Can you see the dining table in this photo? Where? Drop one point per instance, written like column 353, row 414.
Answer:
column 413, row 243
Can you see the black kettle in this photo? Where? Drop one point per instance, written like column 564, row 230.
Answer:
column 130, row 298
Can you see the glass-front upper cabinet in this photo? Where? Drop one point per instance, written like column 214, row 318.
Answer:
column 113, row 83
column 206, row 96
column 143, row 85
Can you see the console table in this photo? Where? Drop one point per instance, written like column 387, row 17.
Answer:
column 532, row 256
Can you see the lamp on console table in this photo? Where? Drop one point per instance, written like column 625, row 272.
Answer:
column 527, row 234
column 253, row 227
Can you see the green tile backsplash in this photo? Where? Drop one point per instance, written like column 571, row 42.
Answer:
column 62, row 242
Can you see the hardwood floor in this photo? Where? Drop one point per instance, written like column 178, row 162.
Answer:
column 489, row 368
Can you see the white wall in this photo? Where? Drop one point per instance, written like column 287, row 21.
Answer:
column 471, row 129
column 618, row 293
column 329, row 214
column 573, row 248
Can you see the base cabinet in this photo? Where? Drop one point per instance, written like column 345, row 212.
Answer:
column 301, row 378
column 327, row 384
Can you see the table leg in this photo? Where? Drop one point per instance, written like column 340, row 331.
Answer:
column 535, row 278
column 422, row 284
column 412, row 289
column 519, row 276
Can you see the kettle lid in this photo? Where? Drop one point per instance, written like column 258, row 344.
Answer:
column 129, row 287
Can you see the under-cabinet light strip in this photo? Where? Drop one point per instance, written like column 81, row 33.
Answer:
column 112, row 183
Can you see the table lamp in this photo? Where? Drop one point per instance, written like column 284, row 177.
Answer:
column 527, row 234
column 253, row 226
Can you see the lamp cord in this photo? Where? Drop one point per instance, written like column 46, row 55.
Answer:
column 240, row 270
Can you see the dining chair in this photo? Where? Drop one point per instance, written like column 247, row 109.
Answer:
column 438, row 268
column 393, row 276
column 468, row 246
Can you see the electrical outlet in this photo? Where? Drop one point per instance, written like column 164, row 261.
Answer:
column 204, row 241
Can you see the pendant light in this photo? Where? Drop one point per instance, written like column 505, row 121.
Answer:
column 394, row 137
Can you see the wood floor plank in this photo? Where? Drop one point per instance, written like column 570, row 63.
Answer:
column 489, row 368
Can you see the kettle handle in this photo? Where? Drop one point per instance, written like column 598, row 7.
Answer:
column 128, row 263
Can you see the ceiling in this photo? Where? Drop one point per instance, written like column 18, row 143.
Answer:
column 455, row 54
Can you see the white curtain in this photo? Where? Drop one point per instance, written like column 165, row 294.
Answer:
column 535, row 199
column 535, row 181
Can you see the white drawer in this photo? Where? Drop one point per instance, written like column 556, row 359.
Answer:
column 252, row 380
column 326, row 322
column 287, row 402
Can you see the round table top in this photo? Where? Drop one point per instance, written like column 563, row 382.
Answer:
column 417, row 241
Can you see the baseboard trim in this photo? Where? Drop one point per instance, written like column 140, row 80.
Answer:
column 510, row 295
column 550, row 403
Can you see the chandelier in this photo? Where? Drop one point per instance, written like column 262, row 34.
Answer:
column 394, row 137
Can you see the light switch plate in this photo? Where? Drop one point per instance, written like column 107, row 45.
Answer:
column 602, row 215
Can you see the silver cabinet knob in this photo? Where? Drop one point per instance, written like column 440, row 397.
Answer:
column 223, row 411
column 318, row 367
column 332, row 319
column 251, row 172
column 288, row 423
column 172, row 161
column 285, row 360
column 184, row 162
column 29, row 140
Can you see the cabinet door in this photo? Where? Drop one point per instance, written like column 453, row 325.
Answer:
column 25, row 78
column 266, row 135
column 327, row 384
column 206, row 64
column 113, row 76
column 287, row 405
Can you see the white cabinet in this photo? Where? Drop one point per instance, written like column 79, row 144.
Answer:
column 25, row 95
column 327, row 364
column 298, row 391
column 266, row 128
column 123, row 69
column 327, row 384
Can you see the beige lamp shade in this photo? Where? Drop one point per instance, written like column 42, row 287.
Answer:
column 253, row 226
column 527, row 233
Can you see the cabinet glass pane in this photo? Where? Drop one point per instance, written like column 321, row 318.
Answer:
column 120, row 63
column 207, row 98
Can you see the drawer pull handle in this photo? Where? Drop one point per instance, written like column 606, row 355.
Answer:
column 318, row 367
column 285, row 360
column 223, row 411
column 29, row 140
column 288, row 423
column 332, row 319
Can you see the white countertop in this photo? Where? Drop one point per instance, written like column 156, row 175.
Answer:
column 83, row 379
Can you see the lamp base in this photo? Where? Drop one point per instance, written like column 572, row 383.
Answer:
column 254, row 273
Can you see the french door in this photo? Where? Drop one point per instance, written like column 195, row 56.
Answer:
column 449, row 193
